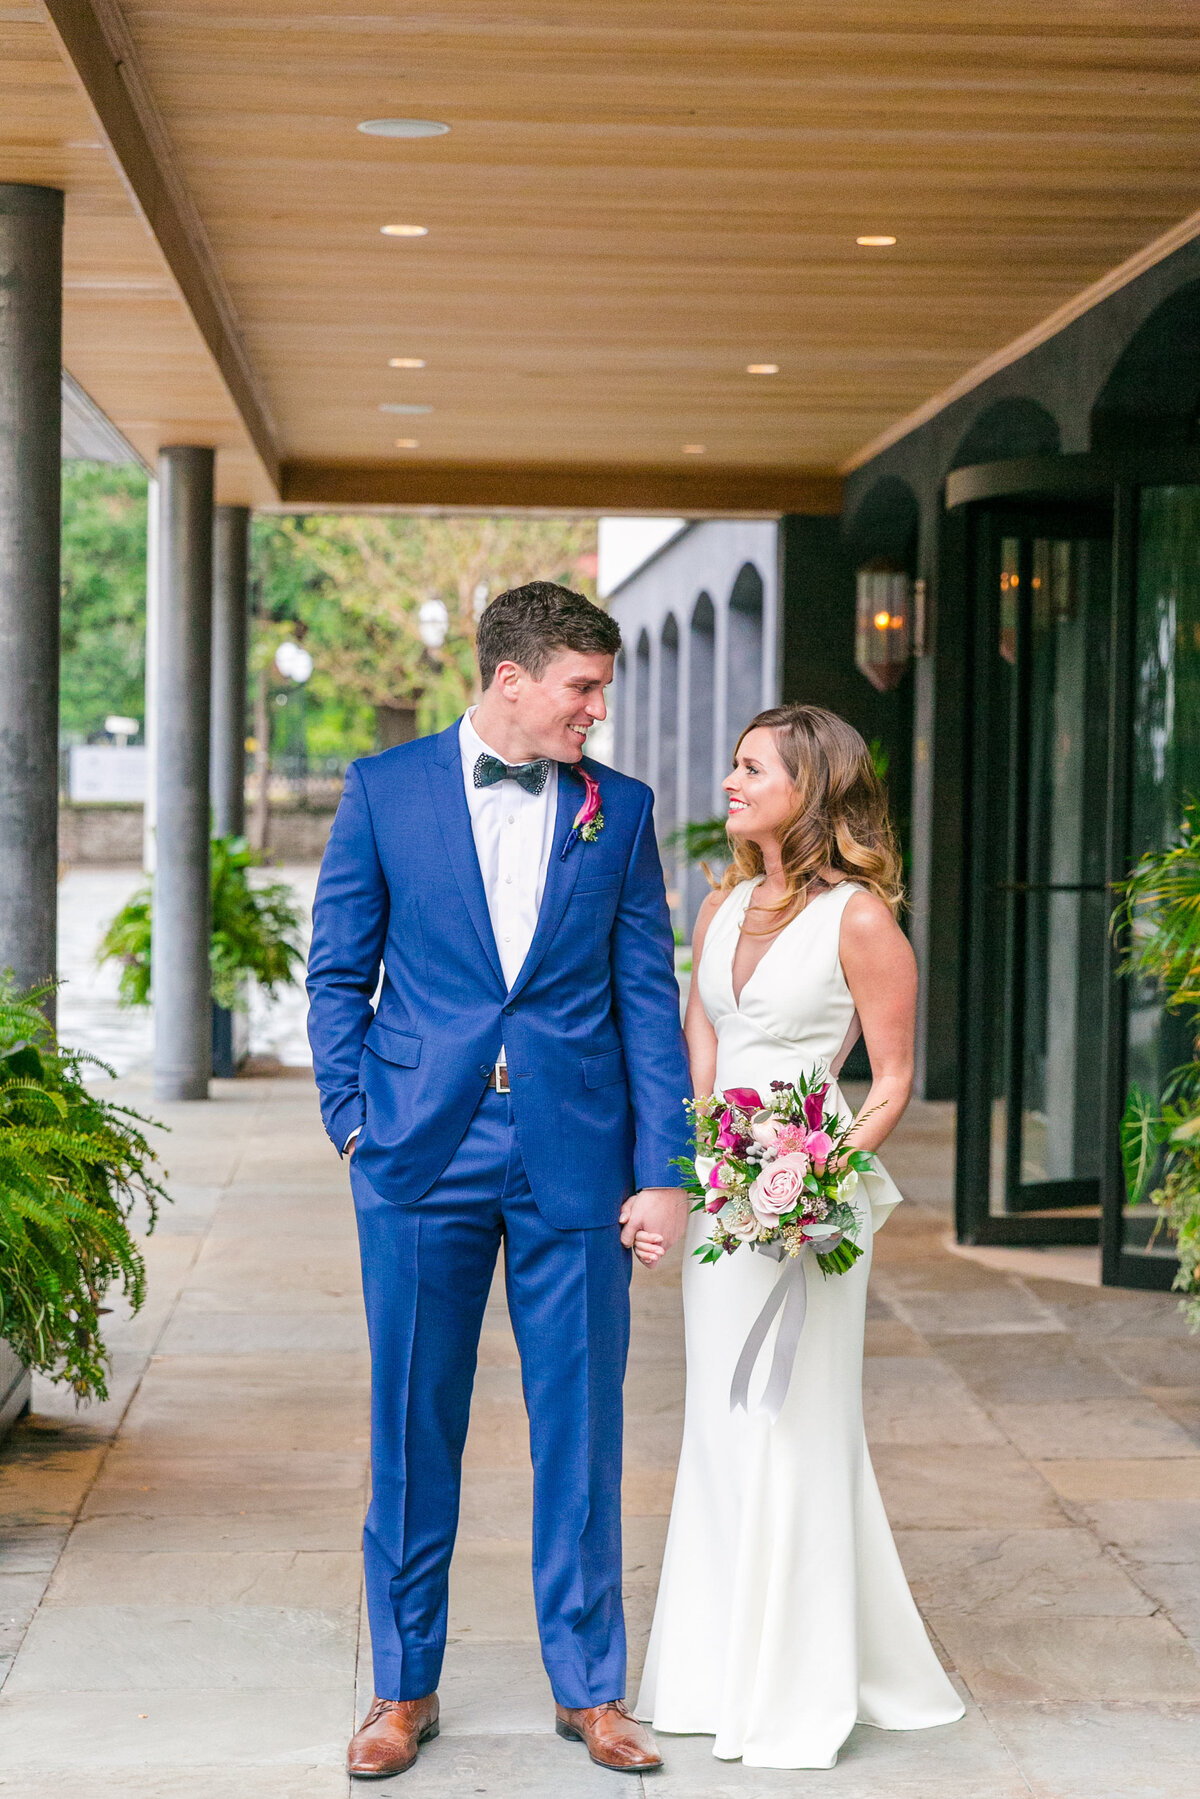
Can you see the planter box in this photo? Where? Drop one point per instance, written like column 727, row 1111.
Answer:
column 230, row 1042
column 15, row 1387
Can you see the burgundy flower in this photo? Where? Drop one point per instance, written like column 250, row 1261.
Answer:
column 744, row 1098
column 814, row 1107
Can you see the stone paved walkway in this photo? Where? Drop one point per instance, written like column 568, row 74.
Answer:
column 180, row 1579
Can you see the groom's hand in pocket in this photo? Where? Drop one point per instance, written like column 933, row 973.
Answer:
column 652, row 1220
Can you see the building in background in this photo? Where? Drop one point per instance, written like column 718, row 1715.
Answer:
column 723, row 618
column 1042, row 525
column 1052, row 508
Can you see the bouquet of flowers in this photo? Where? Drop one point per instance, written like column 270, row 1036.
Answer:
column 776, row 1174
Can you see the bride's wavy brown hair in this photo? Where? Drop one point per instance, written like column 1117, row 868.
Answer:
column 840, row 817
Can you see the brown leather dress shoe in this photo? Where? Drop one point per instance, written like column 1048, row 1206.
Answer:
column 390, row 1736
column 612, row 1736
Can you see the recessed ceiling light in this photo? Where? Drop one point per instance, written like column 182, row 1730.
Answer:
column 407, row 410
column 407, row 443
column 875, row 243
column 405, row 230
column 403, row 128
column 762, row 368
column 694, row 449
column 406, row 362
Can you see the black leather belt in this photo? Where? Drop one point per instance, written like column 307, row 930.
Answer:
column 498, row 1079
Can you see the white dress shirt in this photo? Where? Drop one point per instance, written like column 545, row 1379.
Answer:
column 514, row 833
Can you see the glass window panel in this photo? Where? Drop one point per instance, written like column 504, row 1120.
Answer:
column 1165, row 763
column 1065, row 975
column 1010, row 586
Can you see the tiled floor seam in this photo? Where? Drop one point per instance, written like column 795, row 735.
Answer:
column 101, row 1464
column 1005, row 1748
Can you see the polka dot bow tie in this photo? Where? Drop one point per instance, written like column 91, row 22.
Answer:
column 529, row 775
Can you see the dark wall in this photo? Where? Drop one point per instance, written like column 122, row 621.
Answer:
column 1083, row 389
column 818, row 668
column 1063, row 379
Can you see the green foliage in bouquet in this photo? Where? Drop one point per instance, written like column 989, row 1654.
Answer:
column 1159, row 916
column 72, row 1166
column 254, row 931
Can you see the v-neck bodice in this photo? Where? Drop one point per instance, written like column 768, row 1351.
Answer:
column 795, row 1014
column 795, row 998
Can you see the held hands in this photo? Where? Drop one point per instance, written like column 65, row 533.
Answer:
column 652, row 1220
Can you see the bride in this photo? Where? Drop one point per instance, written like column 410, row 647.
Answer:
column 783, row 1616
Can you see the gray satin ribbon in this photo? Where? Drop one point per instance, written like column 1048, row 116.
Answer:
column 791, row 1292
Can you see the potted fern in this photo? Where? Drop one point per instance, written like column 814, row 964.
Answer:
column 255, row 931
column 1159, row 912
column 72, row 1168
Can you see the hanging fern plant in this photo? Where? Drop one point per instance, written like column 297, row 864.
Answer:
column 255, row 930
column 72, row 1167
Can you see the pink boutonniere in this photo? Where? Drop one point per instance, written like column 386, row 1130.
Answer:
column 589, row 820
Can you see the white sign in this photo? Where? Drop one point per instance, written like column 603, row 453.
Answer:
column 108, row 771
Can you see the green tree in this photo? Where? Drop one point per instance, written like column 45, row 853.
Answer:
column 103, row 595
column 351, row 589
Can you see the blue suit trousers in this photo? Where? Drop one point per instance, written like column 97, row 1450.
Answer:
column 427, row 1271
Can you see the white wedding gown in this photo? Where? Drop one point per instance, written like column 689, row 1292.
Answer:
column 783, row 1615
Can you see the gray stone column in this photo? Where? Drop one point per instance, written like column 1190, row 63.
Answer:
column 182, row 1007
column 31, row 221
column 231, row 553
column 150, row 727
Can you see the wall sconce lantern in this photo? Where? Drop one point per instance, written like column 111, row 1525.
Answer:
column 884, row 635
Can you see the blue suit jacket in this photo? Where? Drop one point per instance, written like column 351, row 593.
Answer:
column 591, row 1025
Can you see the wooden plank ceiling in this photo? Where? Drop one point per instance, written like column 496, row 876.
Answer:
column 635, row 200
column 128, row 340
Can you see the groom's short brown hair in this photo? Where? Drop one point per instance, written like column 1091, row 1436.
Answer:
column 528, row 624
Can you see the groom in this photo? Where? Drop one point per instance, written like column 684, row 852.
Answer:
column 522, row 1076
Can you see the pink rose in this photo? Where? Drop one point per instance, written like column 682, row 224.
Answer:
column 764, row 1128
column 819, row 1145
column 779, row 1188
column 745, row 1229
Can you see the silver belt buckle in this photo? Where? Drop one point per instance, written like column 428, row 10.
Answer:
column 501, row 1071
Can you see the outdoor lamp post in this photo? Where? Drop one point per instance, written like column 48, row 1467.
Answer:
column 883, row 634
column 295, row 664
column 433, row 622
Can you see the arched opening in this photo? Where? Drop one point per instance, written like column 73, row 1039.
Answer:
column 1152, row 397
column 701, row 674
column 619, row 706
column 641, row 711
column 885, row 523
column 701, row 743
column 745, row 658
column 666, row 776
column 1014, row 427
